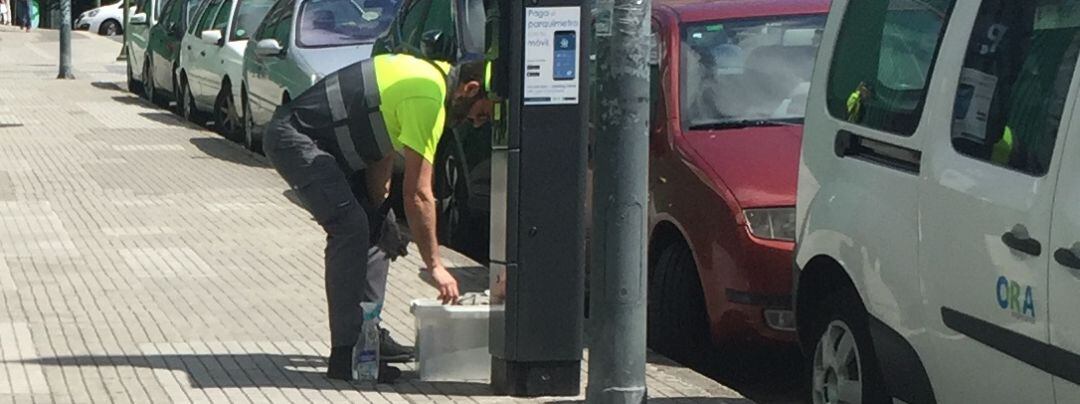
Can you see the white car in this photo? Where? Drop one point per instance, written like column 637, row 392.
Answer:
column 106, row 20
column 938, row 247
column 144, row 14
column 212, row 61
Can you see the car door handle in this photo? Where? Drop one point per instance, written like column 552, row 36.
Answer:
column 1067, row 257
column 1019, row 240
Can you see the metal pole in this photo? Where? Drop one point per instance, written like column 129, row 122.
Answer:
column 618, row 271
column 65, row 40
column 123, row 48
column 97, row 3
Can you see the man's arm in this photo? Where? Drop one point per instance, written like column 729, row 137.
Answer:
column 421, row 214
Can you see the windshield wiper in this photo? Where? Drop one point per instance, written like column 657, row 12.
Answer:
column 743, row 123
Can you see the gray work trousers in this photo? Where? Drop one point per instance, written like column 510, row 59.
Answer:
column 356, row 270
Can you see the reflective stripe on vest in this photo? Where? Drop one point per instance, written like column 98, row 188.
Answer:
column 341, row 129
column 374, row 101
column 378, row 145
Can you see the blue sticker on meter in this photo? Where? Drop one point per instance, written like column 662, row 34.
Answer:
column 565, row 64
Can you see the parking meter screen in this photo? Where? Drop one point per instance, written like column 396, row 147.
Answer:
column 565, row 55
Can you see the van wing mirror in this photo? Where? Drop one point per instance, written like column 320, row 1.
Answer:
column 268, row 47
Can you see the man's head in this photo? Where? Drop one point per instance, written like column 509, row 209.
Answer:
column 468, row 99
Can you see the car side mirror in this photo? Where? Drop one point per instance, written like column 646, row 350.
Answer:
column 213, row 37
column 430, row 41
column 268, row 47
column 137, row 19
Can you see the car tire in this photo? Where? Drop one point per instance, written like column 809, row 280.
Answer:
column 177, row 93
column 226, row 119
column 133, row 86
column 110, row 28
column 251, row 140
column 187, row 103
column 454, row 220
column 150, row 89
column 678, row 324
column 843, row 347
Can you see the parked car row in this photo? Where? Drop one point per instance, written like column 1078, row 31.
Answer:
column 232, row 62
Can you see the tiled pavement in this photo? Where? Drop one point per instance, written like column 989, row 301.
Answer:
column 143, row 259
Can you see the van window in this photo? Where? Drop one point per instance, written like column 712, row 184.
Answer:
column 1017, row 70
column 883, row 61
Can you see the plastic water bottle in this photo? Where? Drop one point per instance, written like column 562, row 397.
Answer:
column 366, row 352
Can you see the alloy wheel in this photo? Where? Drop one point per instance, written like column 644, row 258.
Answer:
column 178, row 94
column 182, row 101
column 110, row 28
column 227, row 119
column 249, row 135
column 130, row 80
column 188, row 103
column 837, row 375
column 450, row 203
column 148, row 82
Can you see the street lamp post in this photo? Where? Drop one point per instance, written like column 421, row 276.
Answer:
column 65, row 40
column 617, row 301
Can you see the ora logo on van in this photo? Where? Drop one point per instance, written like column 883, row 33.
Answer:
column 1008, row 297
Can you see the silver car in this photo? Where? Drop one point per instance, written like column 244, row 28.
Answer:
column 299, row 42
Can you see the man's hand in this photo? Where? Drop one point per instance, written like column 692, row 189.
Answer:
column 447, row 285
column 420, row 210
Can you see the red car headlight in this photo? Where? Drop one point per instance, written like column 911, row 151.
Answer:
column 772, row 223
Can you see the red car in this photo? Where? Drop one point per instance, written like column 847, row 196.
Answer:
column 730, row 82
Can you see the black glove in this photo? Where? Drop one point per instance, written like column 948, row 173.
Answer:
column 392, row 238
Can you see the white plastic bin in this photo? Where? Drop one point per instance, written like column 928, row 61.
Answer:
column 451, row 342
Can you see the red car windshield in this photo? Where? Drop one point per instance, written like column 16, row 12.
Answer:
column 749, row 72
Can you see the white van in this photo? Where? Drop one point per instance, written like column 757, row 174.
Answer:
column 938, row 255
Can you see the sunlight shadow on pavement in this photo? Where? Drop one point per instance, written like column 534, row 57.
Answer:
column 291, row 196
column 108, row 85
column 131, row 99
column 677, row 400
column 226, row 150
column 168, row 119
column 254, row 370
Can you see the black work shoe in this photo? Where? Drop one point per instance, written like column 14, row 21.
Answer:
column 339, row 365
column 392, row 352
column 388, row 374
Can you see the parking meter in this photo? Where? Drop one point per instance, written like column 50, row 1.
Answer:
column 537, row 195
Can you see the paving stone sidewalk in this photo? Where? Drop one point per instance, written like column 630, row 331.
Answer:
column 146, row 260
